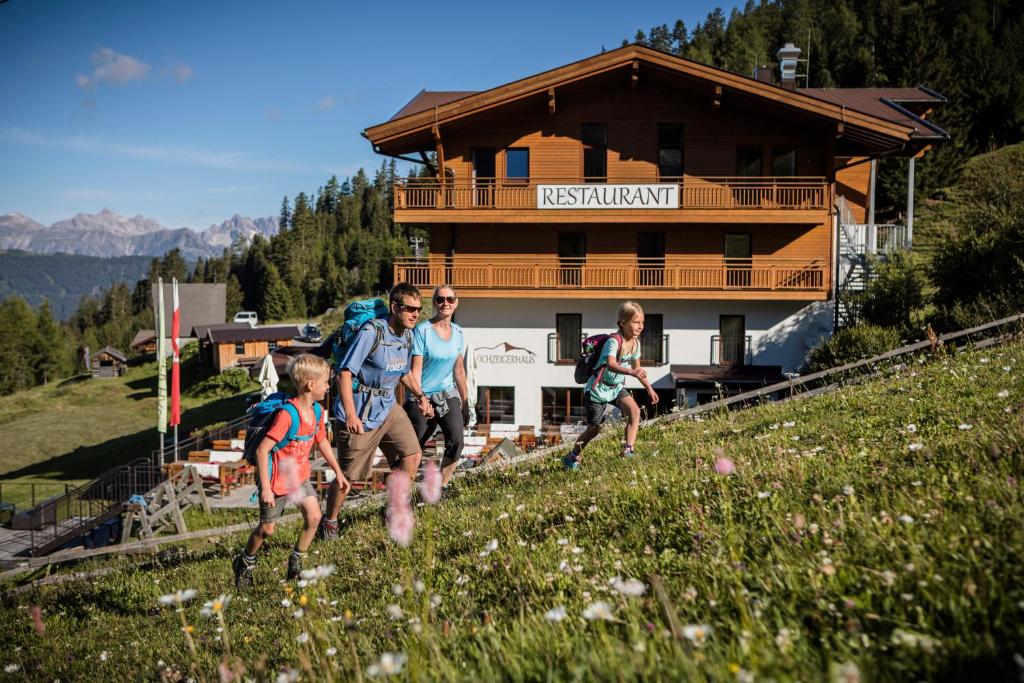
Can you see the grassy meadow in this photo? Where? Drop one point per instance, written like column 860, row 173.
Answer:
column 873, row 534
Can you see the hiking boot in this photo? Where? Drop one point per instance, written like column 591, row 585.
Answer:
column 571, row 460
column 294, row 566
column 628, row 452
column 243, row 572
column 327, row 530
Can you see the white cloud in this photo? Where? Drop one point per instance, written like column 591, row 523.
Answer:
column 235, row 161
column 112, row 67
column 182, row 72
column 325, row 103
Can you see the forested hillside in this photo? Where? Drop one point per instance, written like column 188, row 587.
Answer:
column 63, row 279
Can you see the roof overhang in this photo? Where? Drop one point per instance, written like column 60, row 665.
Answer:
column 417, row 127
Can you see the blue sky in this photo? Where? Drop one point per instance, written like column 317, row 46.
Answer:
column 189, row 112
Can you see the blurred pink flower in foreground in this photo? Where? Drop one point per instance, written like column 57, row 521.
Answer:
column 400, row 518
column 724, row 465
column 430, row 487
column 37, row 620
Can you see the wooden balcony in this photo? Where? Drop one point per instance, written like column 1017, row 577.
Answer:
column 721, row 198
column 534, row 276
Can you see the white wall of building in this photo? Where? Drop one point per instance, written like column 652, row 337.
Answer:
column 781, row 334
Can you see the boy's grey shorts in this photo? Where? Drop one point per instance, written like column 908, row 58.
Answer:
column 598, row 412
column 269, row 515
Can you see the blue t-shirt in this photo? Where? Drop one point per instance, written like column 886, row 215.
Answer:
column 438, row 356
column 383, row 368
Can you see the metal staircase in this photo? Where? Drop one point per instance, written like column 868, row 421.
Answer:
column 861, row 245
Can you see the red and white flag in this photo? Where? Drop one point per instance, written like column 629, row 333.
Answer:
column 176, row 361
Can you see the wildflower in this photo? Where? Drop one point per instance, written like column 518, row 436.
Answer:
column 914, row 641
column 502, row 516
column 764, row 494
column 178, row 597
column 390, row 663
column 331, row 651
column 461, row 580
column 570, row 519
column 906, row 519
column 288, row 676
column 104, row 656
column 592, row 509
column 399, row 514
column 784, row 640
column 302, row 638
column 963, row 427
column 286, row 603
column 394, row 611
column 916, row 446
column 1003, row 394
column 696, row 633
column 628, row 587
column 435, row 601
column 845, row 673
column 430, row 487
column 397, row 590
column 577, row 550
column 215, row 606
column 491, row 546
column 555, row 614
column 789, row 424
column 724, row 465
column 317, row 573
column 847, row 490
column 37, row 620
column 563, row 541
column 598, row 611
column 299, row 613
column 911, row 428
column 418, row 585
column 12, row 668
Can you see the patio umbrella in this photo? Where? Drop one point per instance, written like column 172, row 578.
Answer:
column 470, row 360
column 268, row 377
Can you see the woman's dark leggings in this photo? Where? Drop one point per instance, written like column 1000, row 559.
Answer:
column 451, row 427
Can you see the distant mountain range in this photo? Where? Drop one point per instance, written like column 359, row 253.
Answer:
column 109, row 234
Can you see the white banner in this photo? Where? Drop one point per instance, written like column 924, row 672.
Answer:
column 602, row 196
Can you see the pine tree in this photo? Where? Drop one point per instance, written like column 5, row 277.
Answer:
column 52, row 357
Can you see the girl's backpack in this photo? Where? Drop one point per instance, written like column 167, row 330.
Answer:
column 589, row 361
column 261, row 416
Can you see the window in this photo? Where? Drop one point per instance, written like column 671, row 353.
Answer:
column 272, row 346
column 652, row 347
column 784, row 161
column 731, row 340
column 737, row 260
column 239, row 348
column 496, row 404
column 595, row 152
column 572, row 252
column 749, row 161
column 561, row 406
column 670, row 151
column 568, row 333
column 517, row 164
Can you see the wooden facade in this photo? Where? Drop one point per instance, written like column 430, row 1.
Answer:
column 747, row 158
column 229, row 355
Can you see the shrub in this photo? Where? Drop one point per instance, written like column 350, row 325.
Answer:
column 227, row 383
column 895, row 294
column 851, row 344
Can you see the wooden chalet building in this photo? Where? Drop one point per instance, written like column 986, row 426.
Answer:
column 709, row 197
column 245, row 346
column 107, row 362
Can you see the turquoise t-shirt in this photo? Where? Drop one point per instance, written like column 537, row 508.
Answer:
column 438, row 356
column 606, row 390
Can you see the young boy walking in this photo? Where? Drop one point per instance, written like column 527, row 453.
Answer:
column 283, row 467
column 366, row 412
column 619, row 358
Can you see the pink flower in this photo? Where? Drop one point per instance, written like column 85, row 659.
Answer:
column 400, row 518
column 430, row 487
column 288, row 478
column 724, row 465
column 37, row 620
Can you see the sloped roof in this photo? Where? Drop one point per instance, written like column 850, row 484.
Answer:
column 429, row 109
column 246, row 333
column 905, row 106
column 201, row 331
column 110, row 351
column 143, row 337
column 200, row 304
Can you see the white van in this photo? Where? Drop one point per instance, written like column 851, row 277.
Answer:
column 247, row 317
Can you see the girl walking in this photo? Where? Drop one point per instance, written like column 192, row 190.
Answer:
column 619, row 358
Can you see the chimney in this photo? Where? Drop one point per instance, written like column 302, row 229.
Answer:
column 764, row 74
column 788, row 55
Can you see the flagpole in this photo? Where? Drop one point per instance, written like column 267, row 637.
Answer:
column 161, row 367
column 176, row 365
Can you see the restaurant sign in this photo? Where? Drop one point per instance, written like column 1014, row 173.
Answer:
column 593, row 196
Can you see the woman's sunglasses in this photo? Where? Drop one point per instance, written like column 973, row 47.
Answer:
column 442, row 299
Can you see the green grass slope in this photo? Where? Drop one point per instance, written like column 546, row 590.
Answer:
column 75, row 430
column 871, row 534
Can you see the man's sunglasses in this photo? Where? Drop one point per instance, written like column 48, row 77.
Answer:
column 408, row 309
column 442, row 299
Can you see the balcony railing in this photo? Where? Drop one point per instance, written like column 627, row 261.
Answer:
column 711, row 192
column 879, row 238
column 613, row 272
column 731, row 350
column 653, row 349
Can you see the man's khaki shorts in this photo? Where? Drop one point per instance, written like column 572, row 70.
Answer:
column 395, row 437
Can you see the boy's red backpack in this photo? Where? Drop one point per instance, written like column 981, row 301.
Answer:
column 590, row 361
